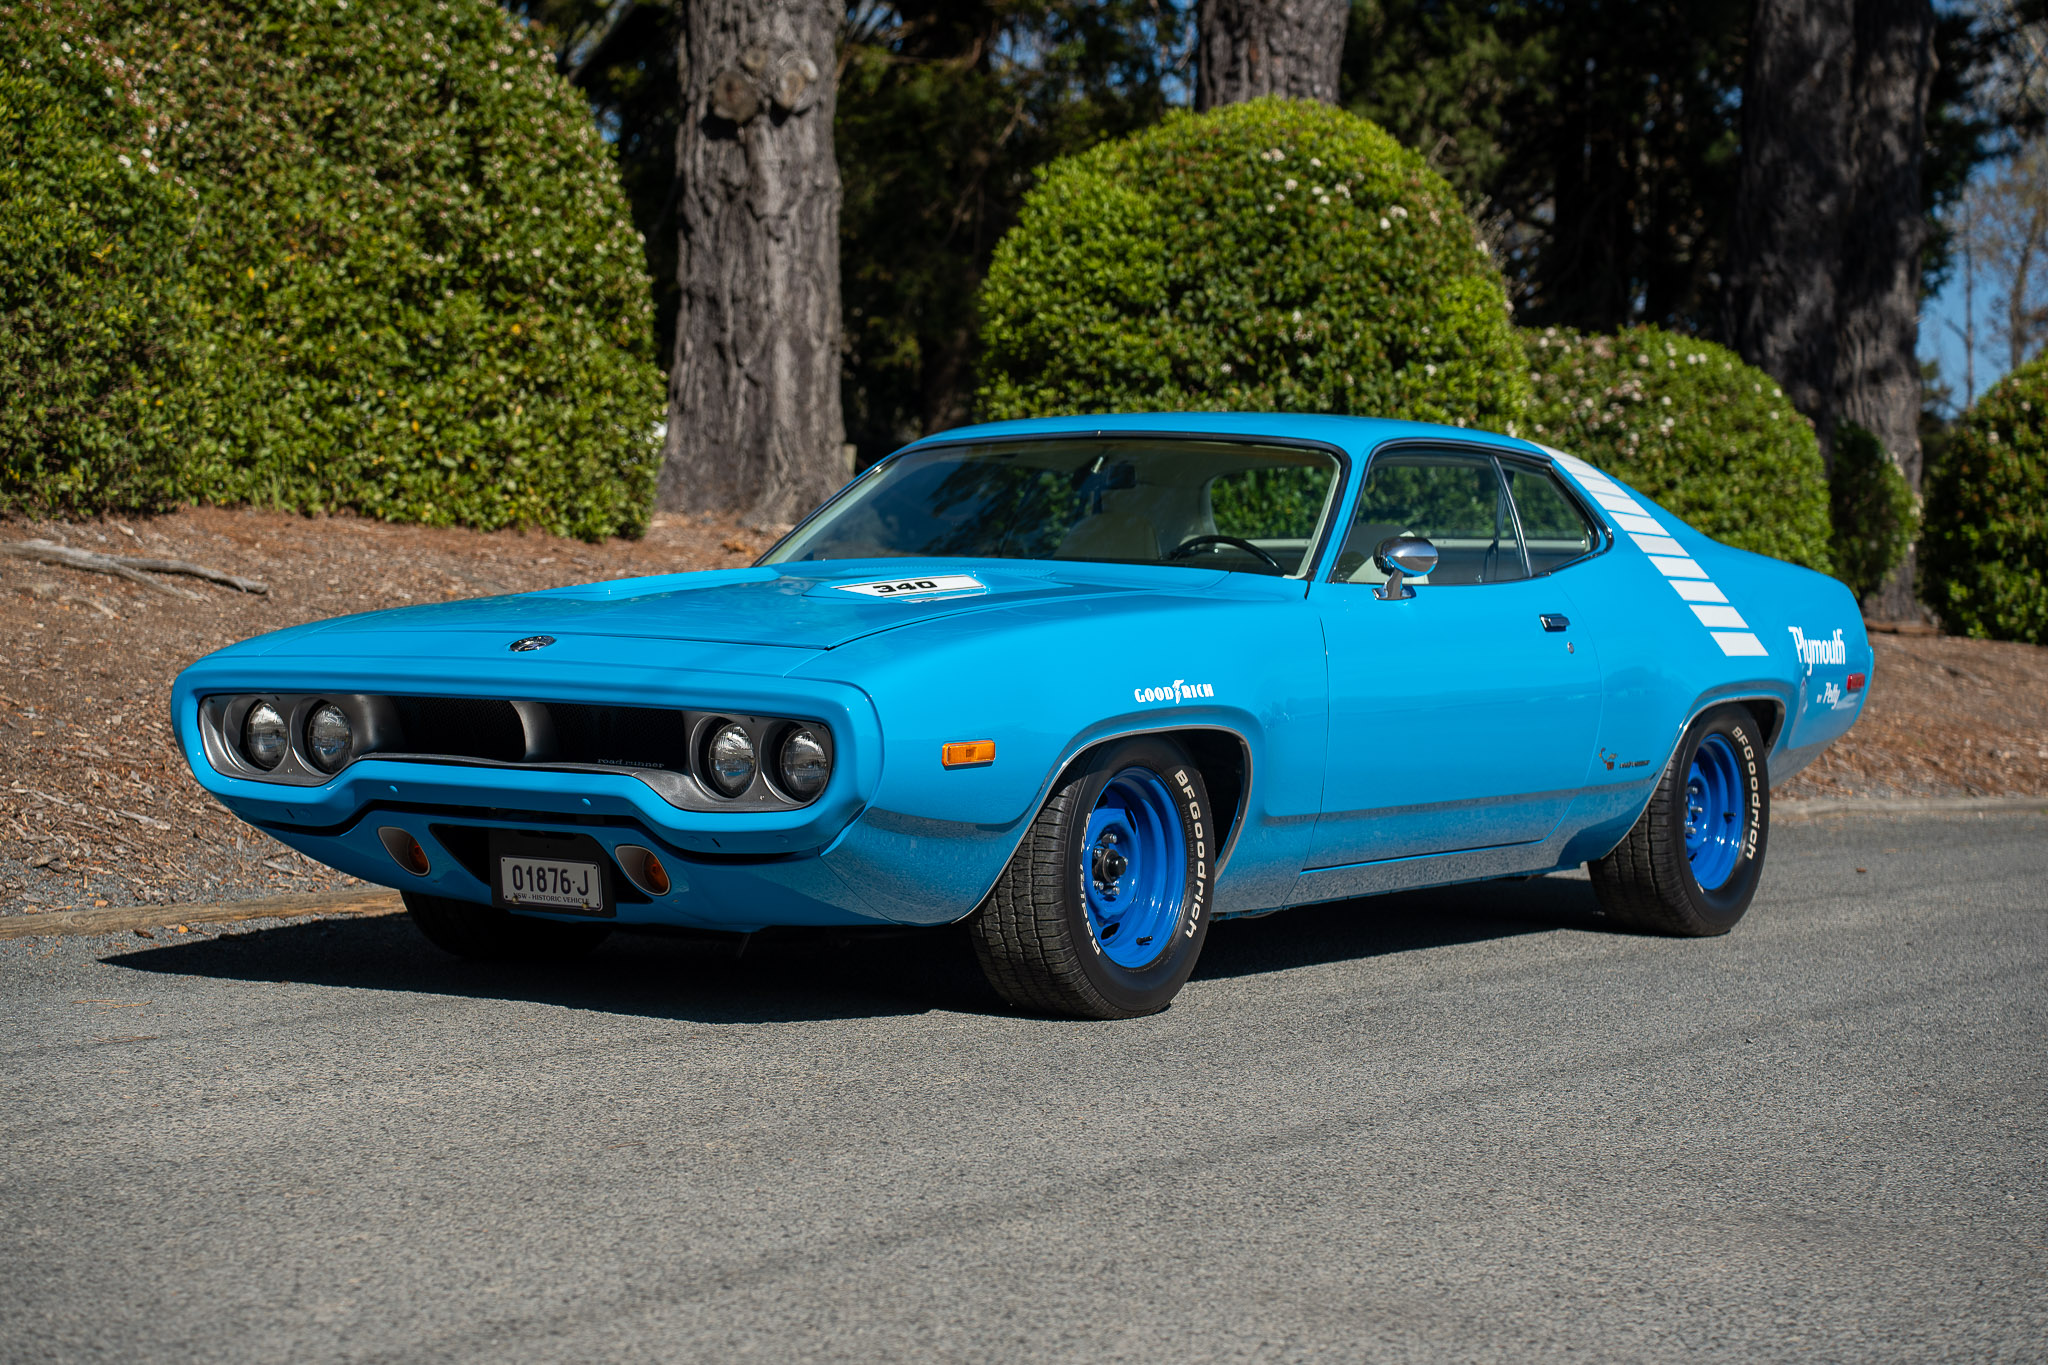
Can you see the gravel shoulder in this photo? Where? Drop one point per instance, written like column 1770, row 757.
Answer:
column 97, row 809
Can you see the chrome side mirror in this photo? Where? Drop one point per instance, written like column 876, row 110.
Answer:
column 1402, row 555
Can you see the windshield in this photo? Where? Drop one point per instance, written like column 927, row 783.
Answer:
column 1122, row 500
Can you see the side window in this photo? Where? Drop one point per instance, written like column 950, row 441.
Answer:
column 1454, row 501
column 1556, row 531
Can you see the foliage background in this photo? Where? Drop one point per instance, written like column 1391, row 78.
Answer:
column 1274, row 255
column 415, row 291
column 92, row 335
column 1870, row 505
column 1694, row 428
column 1984, row 552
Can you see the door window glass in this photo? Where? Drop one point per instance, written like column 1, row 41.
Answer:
column 1555, row 531
column 1456, row 502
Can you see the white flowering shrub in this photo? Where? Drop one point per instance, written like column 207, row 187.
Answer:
column 417, row 291
column 1687, row 422
column 1277, row 255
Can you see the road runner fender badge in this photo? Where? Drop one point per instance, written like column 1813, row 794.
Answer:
column 530, row 643
column 916, row 587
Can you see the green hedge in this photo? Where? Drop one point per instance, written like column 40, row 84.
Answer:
column 418, row 293
column 92, row 245
column 1276, row 255
column 1871, row 507
column 1984, row 553
column 1689, row 424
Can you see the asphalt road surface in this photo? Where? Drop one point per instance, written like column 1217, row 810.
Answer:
column 1472, row 1125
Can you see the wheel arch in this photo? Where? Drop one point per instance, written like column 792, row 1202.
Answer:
column 1222, row 755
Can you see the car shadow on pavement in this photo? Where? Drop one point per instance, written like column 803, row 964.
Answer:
column 1403, row 922
column 797, row 975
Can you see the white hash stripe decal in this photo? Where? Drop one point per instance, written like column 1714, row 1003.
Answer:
column 1657, row 545
column 1684, row 575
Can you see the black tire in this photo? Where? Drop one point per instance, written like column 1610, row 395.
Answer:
column 1031, row 934
column 484, row 933
column 1647, row 882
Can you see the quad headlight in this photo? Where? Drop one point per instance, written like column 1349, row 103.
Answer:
column 265, row 736
column 730, row 760
column 329, row 737
column 803, row 764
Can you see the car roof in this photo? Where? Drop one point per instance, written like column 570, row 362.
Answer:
column 1354, row 435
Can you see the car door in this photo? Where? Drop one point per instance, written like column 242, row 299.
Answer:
column 1466, row 715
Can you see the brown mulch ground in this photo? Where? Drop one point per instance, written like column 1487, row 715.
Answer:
column 1946, row 717
column 96, row 806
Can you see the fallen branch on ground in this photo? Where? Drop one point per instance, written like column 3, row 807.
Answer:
column 134, row 568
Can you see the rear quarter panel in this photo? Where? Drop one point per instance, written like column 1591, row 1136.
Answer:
column 1682, row 621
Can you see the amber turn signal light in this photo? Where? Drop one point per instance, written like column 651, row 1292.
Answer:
column 643, row 869
column 970, row 753
column 404, row 850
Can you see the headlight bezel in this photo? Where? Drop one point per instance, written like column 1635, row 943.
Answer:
column 669, row 749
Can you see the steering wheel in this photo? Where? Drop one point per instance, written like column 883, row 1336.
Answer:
column 1180, row 551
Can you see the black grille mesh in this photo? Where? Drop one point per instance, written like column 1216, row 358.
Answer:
column 461, row 727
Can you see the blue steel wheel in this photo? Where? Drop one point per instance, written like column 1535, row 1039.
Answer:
column 1133, row 869
column 1714, row 807
column 1691, row 864
column 1104, row 908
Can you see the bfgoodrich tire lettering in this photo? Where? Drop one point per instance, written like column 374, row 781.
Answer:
column 1034, row 936
column 485, row 933
column 1652, row 880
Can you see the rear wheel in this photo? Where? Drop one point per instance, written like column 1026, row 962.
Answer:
column 484, row 933
column 1691, row 864
column 1104, row 908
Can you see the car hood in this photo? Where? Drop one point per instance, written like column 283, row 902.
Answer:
column 807, row 607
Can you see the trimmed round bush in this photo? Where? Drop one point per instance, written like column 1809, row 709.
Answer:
column 1277, row 255
column 92, row 243
column 1984, row 553
column 419, row 291
column 1712, row 439
column 1871, row 506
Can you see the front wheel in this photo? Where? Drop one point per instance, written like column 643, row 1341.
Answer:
column 1690, row 865
column 1104, row 907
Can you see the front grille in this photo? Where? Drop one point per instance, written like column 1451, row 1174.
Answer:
column 621, row 736
column 460, row 727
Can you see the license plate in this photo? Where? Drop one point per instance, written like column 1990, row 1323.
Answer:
column 552, row 884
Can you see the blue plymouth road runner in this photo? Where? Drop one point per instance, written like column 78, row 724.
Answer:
column 1088, row 684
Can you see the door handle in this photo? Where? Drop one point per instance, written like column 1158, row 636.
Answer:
column 1554, row 622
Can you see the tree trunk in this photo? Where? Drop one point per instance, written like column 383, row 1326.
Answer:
column 1791, row 197
column 1249, row 48
column 1877, row 323
column 754, row 423
column 1824, row 256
